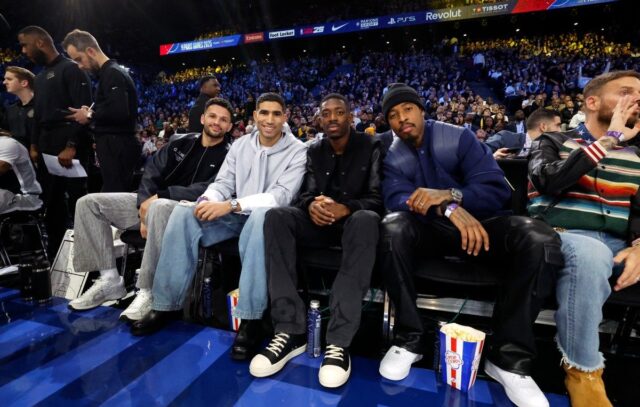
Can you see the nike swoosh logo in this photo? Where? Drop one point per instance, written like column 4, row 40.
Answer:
column 334, row 28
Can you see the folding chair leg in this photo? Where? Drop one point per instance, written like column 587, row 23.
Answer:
column 388, row 320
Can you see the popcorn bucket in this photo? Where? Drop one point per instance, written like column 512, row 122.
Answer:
column 460, row 352
column 232, row 303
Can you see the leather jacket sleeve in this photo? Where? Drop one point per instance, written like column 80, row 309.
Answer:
column 551, row 175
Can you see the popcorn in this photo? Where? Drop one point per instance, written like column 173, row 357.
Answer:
column 460, row 352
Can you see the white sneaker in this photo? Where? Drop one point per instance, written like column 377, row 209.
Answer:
column 101, row 291
column 521, row 390
column 139, row 308
column 396, row 364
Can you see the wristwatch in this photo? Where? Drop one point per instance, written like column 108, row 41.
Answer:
column 234, row 205
column 456, row 194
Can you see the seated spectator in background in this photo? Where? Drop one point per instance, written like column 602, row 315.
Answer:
column 568, row 112
column 19, row 117
column 209, row 88
column 182, row 171
column 339, row 204
column 577, row 119
column 517, row 125
column 508, row 144
column 586, row 184
column 14, row 159
column 261, row 171
column 448, row 196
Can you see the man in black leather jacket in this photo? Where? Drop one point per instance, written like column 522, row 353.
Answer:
column 181, row 170
column 339, row 204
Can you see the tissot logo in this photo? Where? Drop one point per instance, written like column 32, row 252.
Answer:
column 281, row 34
column 491, row 9
column 444, row 15
column 401, row 20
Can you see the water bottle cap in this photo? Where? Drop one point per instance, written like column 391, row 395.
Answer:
column 315, row 304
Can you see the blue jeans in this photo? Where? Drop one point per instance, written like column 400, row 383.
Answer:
column 581, row 291
column 179, row 255
column 253, row 297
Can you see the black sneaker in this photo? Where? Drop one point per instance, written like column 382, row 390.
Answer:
column 336, row 367
column 282, row 348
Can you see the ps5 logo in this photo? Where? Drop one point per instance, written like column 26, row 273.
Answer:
column 401, row 20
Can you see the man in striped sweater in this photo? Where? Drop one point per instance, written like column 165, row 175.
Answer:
column 585, row 184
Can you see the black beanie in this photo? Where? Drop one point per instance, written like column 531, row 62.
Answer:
column 399, row 93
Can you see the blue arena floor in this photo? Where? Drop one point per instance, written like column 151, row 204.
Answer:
column 52, row 356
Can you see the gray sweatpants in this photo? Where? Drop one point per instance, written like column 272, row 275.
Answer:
column 93, row 240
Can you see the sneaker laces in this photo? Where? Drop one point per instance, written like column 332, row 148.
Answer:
column 278, row 343
column 334, row 352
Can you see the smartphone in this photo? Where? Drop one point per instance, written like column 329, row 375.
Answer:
column 514, row 150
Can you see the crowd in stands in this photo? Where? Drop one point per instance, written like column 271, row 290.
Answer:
column 524, row 74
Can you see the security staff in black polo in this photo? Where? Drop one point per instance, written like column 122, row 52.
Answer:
column 209, row 88
column 19, row 118
column 59, row 85
column 113, row 117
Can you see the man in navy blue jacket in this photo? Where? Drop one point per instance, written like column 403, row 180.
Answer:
column 448, row 196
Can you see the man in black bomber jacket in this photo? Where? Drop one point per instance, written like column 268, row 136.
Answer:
column 339, row 204
column 181, row 170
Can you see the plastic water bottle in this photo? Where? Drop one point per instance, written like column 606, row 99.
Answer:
column 314, row 323
column 206, row 298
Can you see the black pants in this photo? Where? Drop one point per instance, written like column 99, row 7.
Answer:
column 284, row 230
column 527, row 250
column 59, row 196
column 118, row 156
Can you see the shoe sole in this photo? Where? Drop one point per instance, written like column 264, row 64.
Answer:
column 330, row 385
column 275, row 368
column 399, row 378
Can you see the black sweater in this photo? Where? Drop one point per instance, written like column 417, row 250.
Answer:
column 116, row 105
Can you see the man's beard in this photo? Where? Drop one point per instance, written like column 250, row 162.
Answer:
column 212, row 134
column 605, row 117
column 39, row 57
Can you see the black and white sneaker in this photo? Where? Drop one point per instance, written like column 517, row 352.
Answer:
column 336, row 367
column 282, row 348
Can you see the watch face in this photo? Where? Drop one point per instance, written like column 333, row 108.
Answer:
column 456, row 194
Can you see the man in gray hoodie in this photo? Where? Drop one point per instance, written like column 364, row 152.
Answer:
column 263, row 170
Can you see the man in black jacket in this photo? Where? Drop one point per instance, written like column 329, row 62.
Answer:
column 59, row 85
column 209, row 88
column 339, row 204
column 113, row 118
column 179, row 171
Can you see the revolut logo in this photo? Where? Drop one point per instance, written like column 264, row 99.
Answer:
column 281, row 34
column 443, row 15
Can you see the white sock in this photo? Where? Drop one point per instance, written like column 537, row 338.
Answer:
column 109, row 274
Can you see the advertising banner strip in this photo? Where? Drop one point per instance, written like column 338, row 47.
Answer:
column 376, row 23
